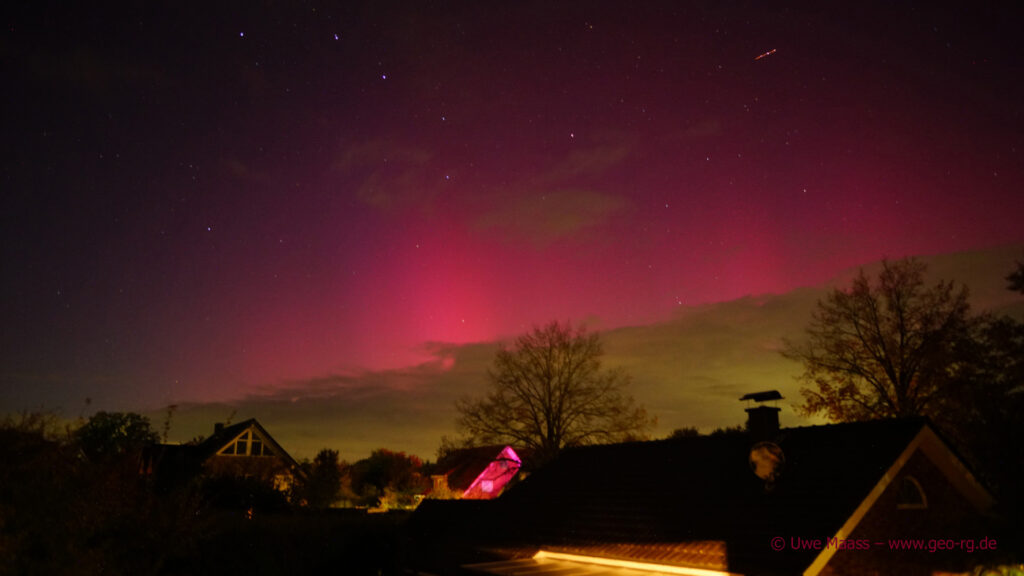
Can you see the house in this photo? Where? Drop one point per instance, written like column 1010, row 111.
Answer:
column 880, row 497
column 479, row 473
column 244, row 450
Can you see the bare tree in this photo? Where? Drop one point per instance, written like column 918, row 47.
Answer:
column 883, row 349
column 550, row 392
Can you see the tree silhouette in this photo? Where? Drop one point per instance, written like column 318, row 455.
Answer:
column 984, row 417
column 884, row 348
column 1016, row 278
column 112, row 434
column 685, row 432
column 68, row 514
column 550, row 392
column 388, row 475
column 321, row 485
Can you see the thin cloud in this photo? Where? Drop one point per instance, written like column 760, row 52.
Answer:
column 561, row 202
column 405, row 409
column 543, row 218
column 387, row 174
column 701, row 130
column 689, row 370
column 591, row 161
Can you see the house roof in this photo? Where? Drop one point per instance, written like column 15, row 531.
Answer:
column 223, row 436
column 175, row 462
column 670, row 501
column 463, row 466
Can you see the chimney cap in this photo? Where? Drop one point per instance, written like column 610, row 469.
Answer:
column 763, row 396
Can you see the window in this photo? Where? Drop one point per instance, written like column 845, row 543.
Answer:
column 911, row 495
column 248, row 444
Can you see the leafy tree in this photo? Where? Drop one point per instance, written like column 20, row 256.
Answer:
column 693, row 432
column 1016, row 278
column 737, row 429
column 111, row 434
column 388, row 474
column 550, row 392
column 64, row 514
column 884, row 348
column 685, row 432
column 896, row 348
column 38, row 476
column 321, row 486
column 984, row 416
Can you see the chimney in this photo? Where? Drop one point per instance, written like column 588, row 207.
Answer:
column 218, row 427
column 763, row 421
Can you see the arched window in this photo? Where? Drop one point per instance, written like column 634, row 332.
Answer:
column 911, row 495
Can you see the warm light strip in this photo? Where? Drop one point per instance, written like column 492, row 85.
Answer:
column 663, row 568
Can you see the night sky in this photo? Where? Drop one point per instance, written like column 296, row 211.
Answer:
column 326, row 215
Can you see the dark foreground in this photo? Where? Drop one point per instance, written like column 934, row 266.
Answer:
column 302, row 542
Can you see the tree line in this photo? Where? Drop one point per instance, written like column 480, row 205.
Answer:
column 885, row 347
column 385, row 480
column 73, row 501
column 76, row 499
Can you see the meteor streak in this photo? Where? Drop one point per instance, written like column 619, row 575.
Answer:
column 768, row 53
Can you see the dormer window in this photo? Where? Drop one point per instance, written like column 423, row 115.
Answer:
column 911, row 495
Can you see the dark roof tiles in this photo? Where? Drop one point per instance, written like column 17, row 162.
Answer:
column 664, row 500
column 463, row 466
